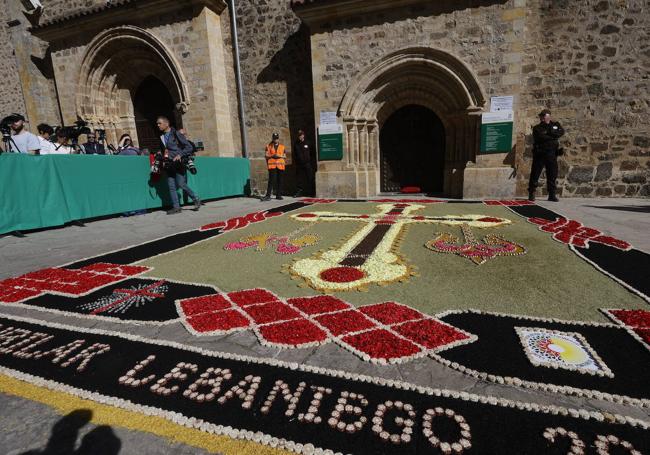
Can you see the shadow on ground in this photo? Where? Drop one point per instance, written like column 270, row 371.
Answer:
column 99, row 441
column 623, row 208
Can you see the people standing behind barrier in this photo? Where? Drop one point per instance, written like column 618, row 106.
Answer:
column 546, row 149
column 175, row 150
column 275, row 162
column 45, row 133
column 22, row 141
column 301, row 154
column 92, row 147
column 126, row 148
column 61, row 146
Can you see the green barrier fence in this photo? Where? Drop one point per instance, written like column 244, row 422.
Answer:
column 50, row 190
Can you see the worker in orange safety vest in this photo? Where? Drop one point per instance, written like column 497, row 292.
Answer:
column 275, row 161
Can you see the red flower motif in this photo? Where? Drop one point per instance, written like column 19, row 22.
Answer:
column 342, row 275
column 221, row 321
column 318, row 305
column 381, row 344
column 345, row 322
column 430, row 333
column 391, row 313
column 252, row 297
column 271, row 312
column 205, row 304
column 293, row 333
column 633, row 318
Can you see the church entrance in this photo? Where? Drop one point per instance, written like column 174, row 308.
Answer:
column 151, row 100
column 412, row 146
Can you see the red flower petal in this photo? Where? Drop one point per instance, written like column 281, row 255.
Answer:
column 318, row 305
column 271, row 312
column 430, row 333
column 342, row 275
column 205, row 304
column 381, row 344
column 251, row 297
column 345, row 322
column 220, row 321
column 391, row 313
column 293, row 333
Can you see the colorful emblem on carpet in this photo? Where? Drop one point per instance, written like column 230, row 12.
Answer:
column 383, row 333
column 598, row 360
column 555, row 349
column 574, row 233
column 287, row 244
column 369, row 256
column 479, row 253
column 295, row 407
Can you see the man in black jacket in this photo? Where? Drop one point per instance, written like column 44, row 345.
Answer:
column 304, row 173
column 92, row 147
column 546, row 149
column 174, row 147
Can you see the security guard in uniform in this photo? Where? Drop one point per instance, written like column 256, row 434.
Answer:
column 546, row 149
column 275, row 161
column 302, row 158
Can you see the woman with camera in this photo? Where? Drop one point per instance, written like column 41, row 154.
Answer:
column 125, row 147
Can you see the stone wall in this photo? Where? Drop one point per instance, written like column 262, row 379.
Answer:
column 11, row 95
column 589, row 62
column 276, row 72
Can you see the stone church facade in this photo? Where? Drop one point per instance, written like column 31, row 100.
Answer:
column 408, row 79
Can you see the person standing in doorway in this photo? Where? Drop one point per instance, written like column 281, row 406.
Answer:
column 275, row 162
column 304, row 172
column 546, row 149
column 175, row 148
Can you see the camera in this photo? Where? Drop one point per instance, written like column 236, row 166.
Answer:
column 73, row 132
column 188, row 162
column 5, row 125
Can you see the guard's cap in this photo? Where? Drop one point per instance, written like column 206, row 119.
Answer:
column 276, row 136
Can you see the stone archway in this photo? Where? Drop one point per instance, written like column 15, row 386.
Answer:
column 116, row 63
column 426, row 77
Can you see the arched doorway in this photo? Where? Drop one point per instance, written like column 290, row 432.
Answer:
column 431, row 78
column 412, row 147
column 122, row 66
column 151, row 100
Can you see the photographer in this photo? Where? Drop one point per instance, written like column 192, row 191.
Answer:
column 22, row 141
column 176, row 150
column 45, row 133
column 546, row 149
column 92, row 147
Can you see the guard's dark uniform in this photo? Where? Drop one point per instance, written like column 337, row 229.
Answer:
column 304, row 171
column 545, row 151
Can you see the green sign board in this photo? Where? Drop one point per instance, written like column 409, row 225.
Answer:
column 496, row 137
column 330, row 143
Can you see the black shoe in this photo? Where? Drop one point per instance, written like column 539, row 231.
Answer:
column 553, row 198
column 531, row 197
column 265, row 198
column 197, row 204
column 174, row 211
column 279, row 198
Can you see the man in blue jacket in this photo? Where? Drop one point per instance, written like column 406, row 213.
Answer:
column 175, row 147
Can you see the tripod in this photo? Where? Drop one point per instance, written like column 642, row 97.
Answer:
column 8, row 141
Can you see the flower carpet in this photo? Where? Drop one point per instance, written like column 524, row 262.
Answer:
column 504, row 292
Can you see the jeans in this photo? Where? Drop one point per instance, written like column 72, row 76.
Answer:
column 548, row 160
column 177, row 179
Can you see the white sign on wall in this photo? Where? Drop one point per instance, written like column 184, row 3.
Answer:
column 502, row 103
column 328, row 118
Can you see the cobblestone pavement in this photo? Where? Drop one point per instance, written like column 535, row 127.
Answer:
column 628, row 219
